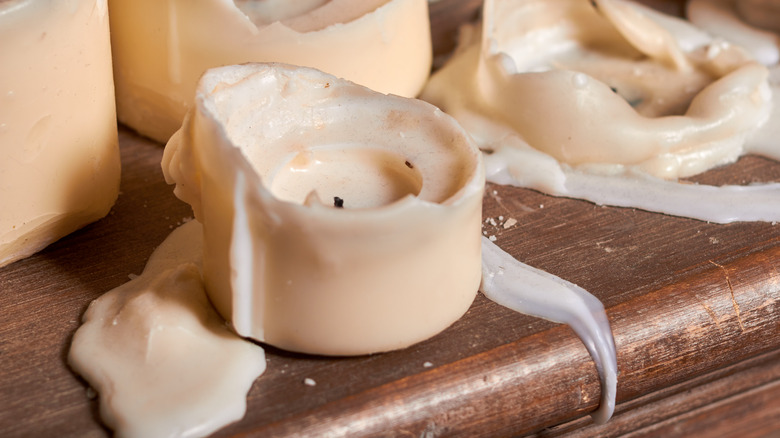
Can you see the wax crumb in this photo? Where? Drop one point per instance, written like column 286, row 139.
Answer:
column 427, row 364
column 492, row 238
column 510, row 223
column 500, row 218
column 541, row 205
column 492, row 222
column 714, row 240
column 495, row 192
column 309, row 382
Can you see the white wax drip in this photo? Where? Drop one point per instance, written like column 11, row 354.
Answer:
column 531, row 291
column 720, row 204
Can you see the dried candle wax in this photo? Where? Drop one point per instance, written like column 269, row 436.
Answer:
column 161, row 47
column 161, row 359
column 610, row 101
column 396, row 264
column 59, row 158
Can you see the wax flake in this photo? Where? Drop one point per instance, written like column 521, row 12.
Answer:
column 510, row 223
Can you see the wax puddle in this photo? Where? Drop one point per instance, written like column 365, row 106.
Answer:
column 719, row 204
column 161, row 358
column 164, row 362
column 505, row 58
column 534, row 292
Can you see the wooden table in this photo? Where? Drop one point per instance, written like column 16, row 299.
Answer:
column 694, row 307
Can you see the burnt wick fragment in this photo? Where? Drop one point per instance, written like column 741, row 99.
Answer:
column 409, row 164
column 338, row 202
column 633, row 102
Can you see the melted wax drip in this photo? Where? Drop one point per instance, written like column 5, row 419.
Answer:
column 634, row 189
column 531, row 291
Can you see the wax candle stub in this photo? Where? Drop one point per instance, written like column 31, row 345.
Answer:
column 59, row 157
column 336, row 220
column 161, row 47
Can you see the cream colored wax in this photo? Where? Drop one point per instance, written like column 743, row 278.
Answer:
column 59, row 159
column 762, row 13
column 531, row 291
column 161, row 47
column 754, row 25
column 735, row 21
column 162, row 361
column 262, row 157
column 612, row 102
column 608, row 85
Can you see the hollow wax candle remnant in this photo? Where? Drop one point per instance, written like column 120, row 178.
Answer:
column 59, row 167
column 161, row 47
column 396, row 265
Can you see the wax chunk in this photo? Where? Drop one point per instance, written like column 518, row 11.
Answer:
column 59, row 158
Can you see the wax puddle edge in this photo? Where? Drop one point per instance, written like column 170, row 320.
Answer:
column 161, row 359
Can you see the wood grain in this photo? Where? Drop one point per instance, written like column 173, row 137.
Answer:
column 693, row 306
column 744, row 394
